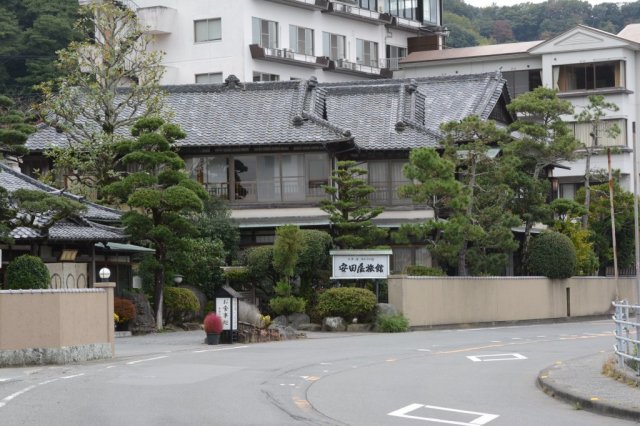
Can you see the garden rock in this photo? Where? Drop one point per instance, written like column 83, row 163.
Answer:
column 333, row 324
column 386, row 309
column 359, row 327
column 309, row 327
column 145, row 321
column 249, row 313
column 279, row 321
column 295, row 320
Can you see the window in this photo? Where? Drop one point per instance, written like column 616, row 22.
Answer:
column 263, row 76
column 208, row 30
column 368, row 4
column 301, row 40
column 209, row 78
column 367, row 53
column 263, row 178
column 402, row 8
column 522, row 81
column 394, row 54
column 582, row 132
column 430, row 11
column 598, row 75
column 333, row 46
column 387, row 177
column 265, row 33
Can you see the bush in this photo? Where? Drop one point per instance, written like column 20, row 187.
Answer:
column 212, row 323
column 286, row 305
column 180, row 304
column 124, row 309
column 424, row 271
column 553, row 255
column 27, row 272
column 346, row 302
column 392, row 323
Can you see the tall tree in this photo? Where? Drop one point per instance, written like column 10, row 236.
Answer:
column 109, row 81
column 287, row 247
column 543, row 141
column 349, row 208
column 15, row 128
column 476, row 235
column 160, row 195
column 593, row 114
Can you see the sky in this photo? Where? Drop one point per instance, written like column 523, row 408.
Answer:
column 485, row 3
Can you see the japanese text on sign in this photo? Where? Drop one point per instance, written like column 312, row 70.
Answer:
column 356, row 267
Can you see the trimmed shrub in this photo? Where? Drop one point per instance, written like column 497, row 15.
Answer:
column 346, row 302
column 287, row 305
column 212, row 323
column 124, row 309
column 424, row 271
column 552, row 255
column 392, row 323
column 27, row 272
column 180, row 304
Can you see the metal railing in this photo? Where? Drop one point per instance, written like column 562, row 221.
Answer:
column 627, row 348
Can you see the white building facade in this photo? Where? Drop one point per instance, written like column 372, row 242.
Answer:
column 205, row 41
column 578, row 63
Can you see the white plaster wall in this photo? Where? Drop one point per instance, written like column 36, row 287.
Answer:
column 184, row 58
column 471, row 66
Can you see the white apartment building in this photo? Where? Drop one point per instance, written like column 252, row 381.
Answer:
column 205, row 41
column 580, row 62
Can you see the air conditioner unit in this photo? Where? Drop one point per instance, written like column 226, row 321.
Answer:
column 347, row 9
column 380, row 9
column 278, row 52
column 288, row 53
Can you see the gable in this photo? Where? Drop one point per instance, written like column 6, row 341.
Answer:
column 581, row 38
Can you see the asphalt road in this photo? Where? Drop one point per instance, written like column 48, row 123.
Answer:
column 456, row 377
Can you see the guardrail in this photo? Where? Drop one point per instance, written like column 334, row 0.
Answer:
column 627, row 348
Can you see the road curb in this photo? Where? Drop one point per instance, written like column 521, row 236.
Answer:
column 567, row 394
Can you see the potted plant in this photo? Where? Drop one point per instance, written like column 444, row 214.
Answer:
column 213, row 328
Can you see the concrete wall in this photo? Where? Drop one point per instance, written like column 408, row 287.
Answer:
column 431, row 301
column 56, row 326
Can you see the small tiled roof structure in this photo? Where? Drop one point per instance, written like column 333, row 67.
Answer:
column 97, row 223
column 393, row 114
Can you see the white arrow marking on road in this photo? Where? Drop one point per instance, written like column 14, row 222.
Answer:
column 482, row 419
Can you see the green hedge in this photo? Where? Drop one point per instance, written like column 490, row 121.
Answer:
column 392, row 323
column 180, row 304
column 287, row 305
column 346, row 302
column 552, row 255
column 27, row 272
column 424, row 271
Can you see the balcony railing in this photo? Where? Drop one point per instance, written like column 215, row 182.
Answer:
column 375, row 68
column 358, row 13
column 287, row 56
column 406, row 24
column 287, row 189
column 305, row 4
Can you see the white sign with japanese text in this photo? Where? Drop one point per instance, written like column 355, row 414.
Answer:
column 360, row 264
column 227, row 309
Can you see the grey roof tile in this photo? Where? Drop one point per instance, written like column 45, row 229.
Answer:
column 13, row 180
column 379, row 114
column 81, row 228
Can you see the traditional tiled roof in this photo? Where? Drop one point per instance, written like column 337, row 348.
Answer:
column 405, row 114
column 83, row 228
column 373, row 114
